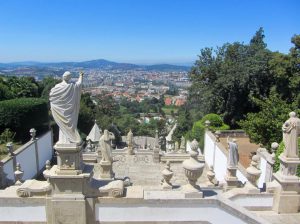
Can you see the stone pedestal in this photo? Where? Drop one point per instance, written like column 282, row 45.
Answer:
column 231, row 179
column 69, row 159
column 69, row 182
column 106, row 172
column 286, row 197
column 286, row 201
column 67, row 209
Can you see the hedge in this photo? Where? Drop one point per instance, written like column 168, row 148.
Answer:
column 19, row 115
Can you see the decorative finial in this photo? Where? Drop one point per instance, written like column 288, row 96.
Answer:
column 9, row 147
column 32, row 132
column 18, row 174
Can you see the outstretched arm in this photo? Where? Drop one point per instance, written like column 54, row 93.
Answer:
column 80, row 78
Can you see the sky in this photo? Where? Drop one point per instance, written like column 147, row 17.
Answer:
column 138, row 31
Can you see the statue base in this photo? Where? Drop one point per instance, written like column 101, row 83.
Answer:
column 67, row 203
column 106, row 172
column 130, row 151
column 231, row 180
column 287, row 195
column 69, row 158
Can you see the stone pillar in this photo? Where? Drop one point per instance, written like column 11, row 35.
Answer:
column 286, row 197
column 69, row 180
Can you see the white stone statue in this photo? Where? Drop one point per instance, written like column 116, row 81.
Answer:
column 105, row 146
column 233, row 156
column 130, row 139
column 65, row 101
column 291, row 131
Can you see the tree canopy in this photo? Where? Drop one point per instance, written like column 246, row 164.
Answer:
column 248, row 85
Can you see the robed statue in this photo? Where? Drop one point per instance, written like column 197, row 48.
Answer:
column 291, row 131
column 105, row 146
column 233, row 155
column 130, row 139
column 64, row 102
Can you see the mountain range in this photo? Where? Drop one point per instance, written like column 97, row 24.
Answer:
column 96, row 64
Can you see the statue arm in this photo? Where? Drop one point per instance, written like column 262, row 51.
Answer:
column 80, row 78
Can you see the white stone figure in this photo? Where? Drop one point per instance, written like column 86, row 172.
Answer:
column 130, row 139
column 65, row 101
column 130, row 142
column 105, row 146
column 233, row 155
column 291, row 131
column 182, row 145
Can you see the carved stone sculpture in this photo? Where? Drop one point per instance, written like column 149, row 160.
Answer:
column 167, row 175
column 107, row 159
column 130, row 142
column 193, row 169
column 182, row 145
column 211, row 176
column 253, row 173
column 233, row 155
column 64, row 102
column 232, row 165
column 113, row 189
column 34, row 188
column 18, row 174
column 291, row 131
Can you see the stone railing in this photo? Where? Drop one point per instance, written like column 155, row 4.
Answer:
column 31, row 156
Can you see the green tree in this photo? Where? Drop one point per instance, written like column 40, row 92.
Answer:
column 224, row 79
column 264, row 127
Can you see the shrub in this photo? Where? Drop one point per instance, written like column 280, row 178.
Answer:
column 19, row 115
column 216, row 123
column 7, row 136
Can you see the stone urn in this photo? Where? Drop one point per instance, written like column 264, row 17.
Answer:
column 253, row 173
column 193, row 169
column 167, row 175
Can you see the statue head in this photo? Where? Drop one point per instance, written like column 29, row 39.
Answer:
column 292, row 114
column 67, row 76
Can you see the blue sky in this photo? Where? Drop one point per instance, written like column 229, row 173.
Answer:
column 144, row 31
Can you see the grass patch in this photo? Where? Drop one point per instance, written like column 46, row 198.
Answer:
column 168, row 109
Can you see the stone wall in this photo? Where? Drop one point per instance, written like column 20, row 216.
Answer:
column 215, row 154
column 32, row 157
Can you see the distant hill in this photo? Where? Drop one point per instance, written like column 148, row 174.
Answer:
column 99, row 63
